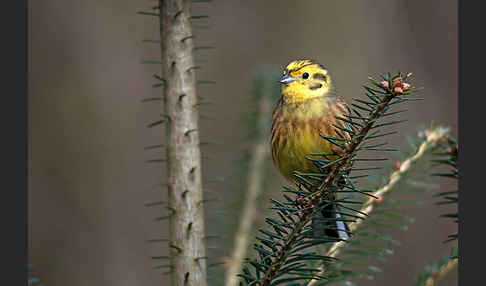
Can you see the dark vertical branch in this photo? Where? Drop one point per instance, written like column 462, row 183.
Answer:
column 183, row 154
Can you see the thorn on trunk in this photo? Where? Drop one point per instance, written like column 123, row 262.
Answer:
column 189, row 131
column 159, row 77
column 193, row 68
column 189, row 227
column 186, row 38
column 186, row 278
column 191, row 173
column 177, row 15
column 184, row 194
column 178, row 249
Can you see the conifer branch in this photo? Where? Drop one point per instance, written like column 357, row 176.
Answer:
column 436, row 272
column 185, row 199
column 282, row 253
column 448, row 157
column 436, row 276
column 433, row 138
column 311, row 202
column 259, row 155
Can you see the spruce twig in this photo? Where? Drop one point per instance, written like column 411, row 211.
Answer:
column 434, row 273
column 275, row 261
column 433, row 138
column 436, row 276
column 185, row 196
column 448, row 155
column 259, row 155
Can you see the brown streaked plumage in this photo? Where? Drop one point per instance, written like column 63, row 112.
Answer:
column 308, row 107
column 296, row 136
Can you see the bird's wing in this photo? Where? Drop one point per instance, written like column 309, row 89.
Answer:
column 338, row 108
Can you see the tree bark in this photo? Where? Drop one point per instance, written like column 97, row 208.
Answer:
column 188, row 263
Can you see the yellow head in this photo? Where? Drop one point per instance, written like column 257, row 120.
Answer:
column 304, row 79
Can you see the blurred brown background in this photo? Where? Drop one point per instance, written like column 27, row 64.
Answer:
column 88, row 180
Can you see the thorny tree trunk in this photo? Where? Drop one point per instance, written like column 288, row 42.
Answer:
column 188, row 265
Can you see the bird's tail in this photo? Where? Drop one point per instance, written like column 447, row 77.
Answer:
column 329, row 222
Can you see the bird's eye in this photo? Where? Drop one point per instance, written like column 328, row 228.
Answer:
column 305, row 75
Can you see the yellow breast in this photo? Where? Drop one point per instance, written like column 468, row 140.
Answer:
column 295, row 135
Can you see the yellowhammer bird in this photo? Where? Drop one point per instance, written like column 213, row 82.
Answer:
column 307, row 108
